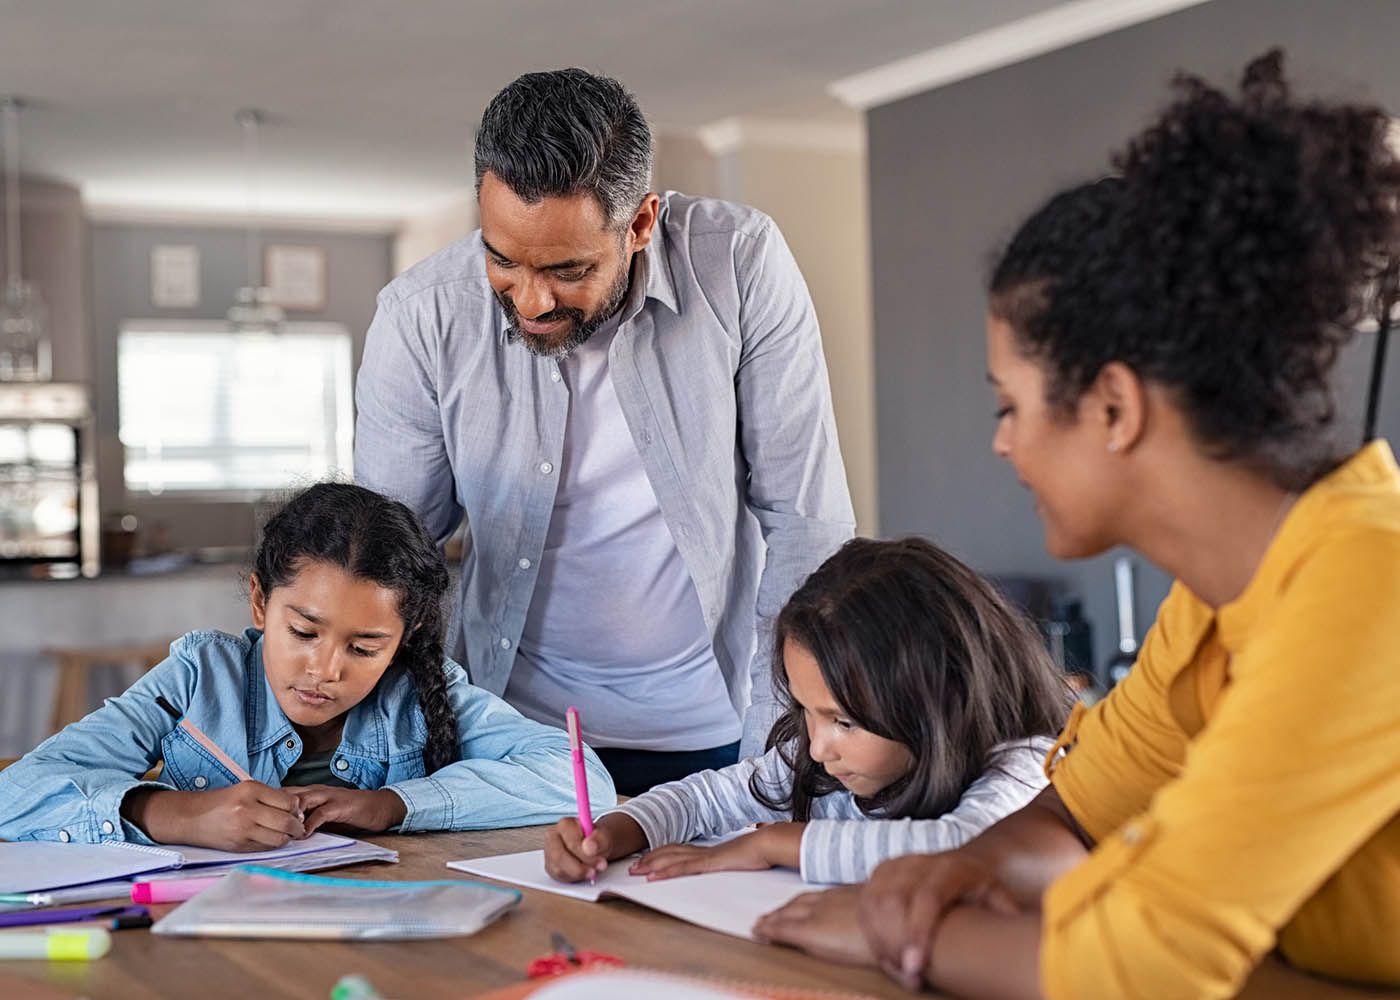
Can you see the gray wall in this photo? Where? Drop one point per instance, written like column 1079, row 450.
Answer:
column 357, row 267
column 954, row 170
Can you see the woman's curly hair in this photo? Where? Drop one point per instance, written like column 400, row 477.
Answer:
column 380, row 540
column 1229, row 261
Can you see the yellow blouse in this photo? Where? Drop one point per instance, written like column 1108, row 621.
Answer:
column 1243, row 783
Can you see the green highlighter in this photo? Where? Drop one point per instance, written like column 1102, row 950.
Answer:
column 57, row 945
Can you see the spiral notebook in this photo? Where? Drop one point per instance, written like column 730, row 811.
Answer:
column 33, row 866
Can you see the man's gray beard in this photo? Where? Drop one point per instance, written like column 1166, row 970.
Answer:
column 583, row 328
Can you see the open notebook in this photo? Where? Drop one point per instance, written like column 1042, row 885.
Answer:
column 73, row 871
column 728, row 902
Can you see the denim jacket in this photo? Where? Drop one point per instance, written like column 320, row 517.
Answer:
column 512, row 771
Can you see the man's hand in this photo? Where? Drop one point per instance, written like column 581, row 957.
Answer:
column 569, row 856
column 248, row 816
column 824, row 924
column 775, row 844
column 350, row 808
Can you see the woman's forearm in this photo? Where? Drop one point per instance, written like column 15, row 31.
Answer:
column 980, row 953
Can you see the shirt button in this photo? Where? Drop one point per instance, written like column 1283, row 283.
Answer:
column 554, row 375
column 291, row 744
column 64, row 836
column 200, row 781
column 342, row 765
column 546, row 468
column 107, row 826
column 524, row 564
column 505, row 643
column 1132, row 833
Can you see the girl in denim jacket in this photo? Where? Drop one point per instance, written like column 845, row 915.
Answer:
column 338, row 702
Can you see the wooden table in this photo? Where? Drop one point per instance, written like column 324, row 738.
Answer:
column 143, row 965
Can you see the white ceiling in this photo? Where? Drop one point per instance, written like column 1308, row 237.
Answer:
column 371, row 104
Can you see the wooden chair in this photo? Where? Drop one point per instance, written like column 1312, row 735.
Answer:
column 75, row 666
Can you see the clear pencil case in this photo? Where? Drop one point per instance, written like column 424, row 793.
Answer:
column 257, row 902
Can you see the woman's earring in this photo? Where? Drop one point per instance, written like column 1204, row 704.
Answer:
column 1113, row 444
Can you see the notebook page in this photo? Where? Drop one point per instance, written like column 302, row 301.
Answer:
column 195, row 857
column 728, row 902
column 35, row 866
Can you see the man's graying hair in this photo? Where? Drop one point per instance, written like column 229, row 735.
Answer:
column 566, row 132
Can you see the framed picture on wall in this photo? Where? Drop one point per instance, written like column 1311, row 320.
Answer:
column 295, row 276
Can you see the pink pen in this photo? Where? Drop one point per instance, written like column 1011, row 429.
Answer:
column 585, row 815
column 170, row 890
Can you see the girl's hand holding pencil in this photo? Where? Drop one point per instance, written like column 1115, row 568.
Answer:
column 248, row 816
column 569, row 856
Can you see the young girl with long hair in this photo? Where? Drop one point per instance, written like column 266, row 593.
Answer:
column 1163, row 347
column 338, row 703
column 915, row 696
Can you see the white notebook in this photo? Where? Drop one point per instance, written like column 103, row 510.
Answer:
column 39, row 866
column 728, row 902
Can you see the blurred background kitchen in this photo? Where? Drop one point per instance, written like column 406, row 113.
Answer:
column 210, row 196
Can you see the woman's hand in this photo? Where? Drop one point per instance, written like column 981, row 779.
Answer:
column 824, row 924
column 904, row 901
column 773, row 845
column 350, row 808
column 248, row 816
column 569, row 856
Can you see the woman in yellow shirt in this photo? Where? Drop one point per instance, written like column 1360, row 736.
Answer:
column 1162, row 346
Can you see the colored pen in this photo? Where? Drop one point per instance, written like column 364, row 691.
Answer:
column 171, row 890
column 66, row 945
column 116, row 917
column 585, row 814
column 204, row 741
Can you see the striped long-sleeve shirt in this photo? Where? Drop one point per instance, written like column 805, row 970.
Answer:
column 841, row 844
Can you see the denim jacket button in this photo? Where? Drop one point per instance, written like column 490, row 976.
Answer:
column 291, row 744
column 200, row 781
column 342, row 765
column 64, row 836
column 107, row 826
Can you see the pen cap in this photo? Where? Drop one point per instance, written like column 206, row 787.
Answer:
column 575, row 736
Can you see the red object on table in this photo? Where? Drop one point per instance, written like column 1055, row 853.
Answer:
column 557, row 963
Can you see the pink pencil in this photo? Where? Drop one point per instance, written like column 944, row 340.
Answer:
column 585, row 814
column 205, row 741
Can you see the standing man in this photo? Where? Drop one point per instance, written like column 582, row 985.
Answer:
column 625, row 393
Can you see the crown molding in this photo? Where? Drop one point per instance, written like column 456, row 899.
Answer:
column 994, row 48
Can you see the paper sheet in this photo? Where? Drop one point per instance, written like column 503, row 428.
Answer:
column 728, row 902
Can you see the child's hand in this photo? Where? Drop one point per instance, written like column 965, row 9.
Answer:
column 569, row 856
column 351, row 808
column 248, row 816
column 773, row 845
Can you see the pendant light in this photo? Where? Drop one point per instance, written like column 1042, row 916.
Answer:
column 252, row 311
column 25, row 353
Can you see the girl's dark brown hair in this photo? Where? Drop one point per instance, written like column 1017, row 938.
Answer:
column 380, row 540
column 917, row 648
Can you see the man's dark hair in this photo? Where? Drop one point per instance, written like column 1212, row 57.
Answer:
column 567, row 132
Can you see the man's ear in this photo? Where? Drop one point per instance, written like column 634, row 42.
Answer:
column 643, row 223
column 1117, row 402
column 257, row 601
